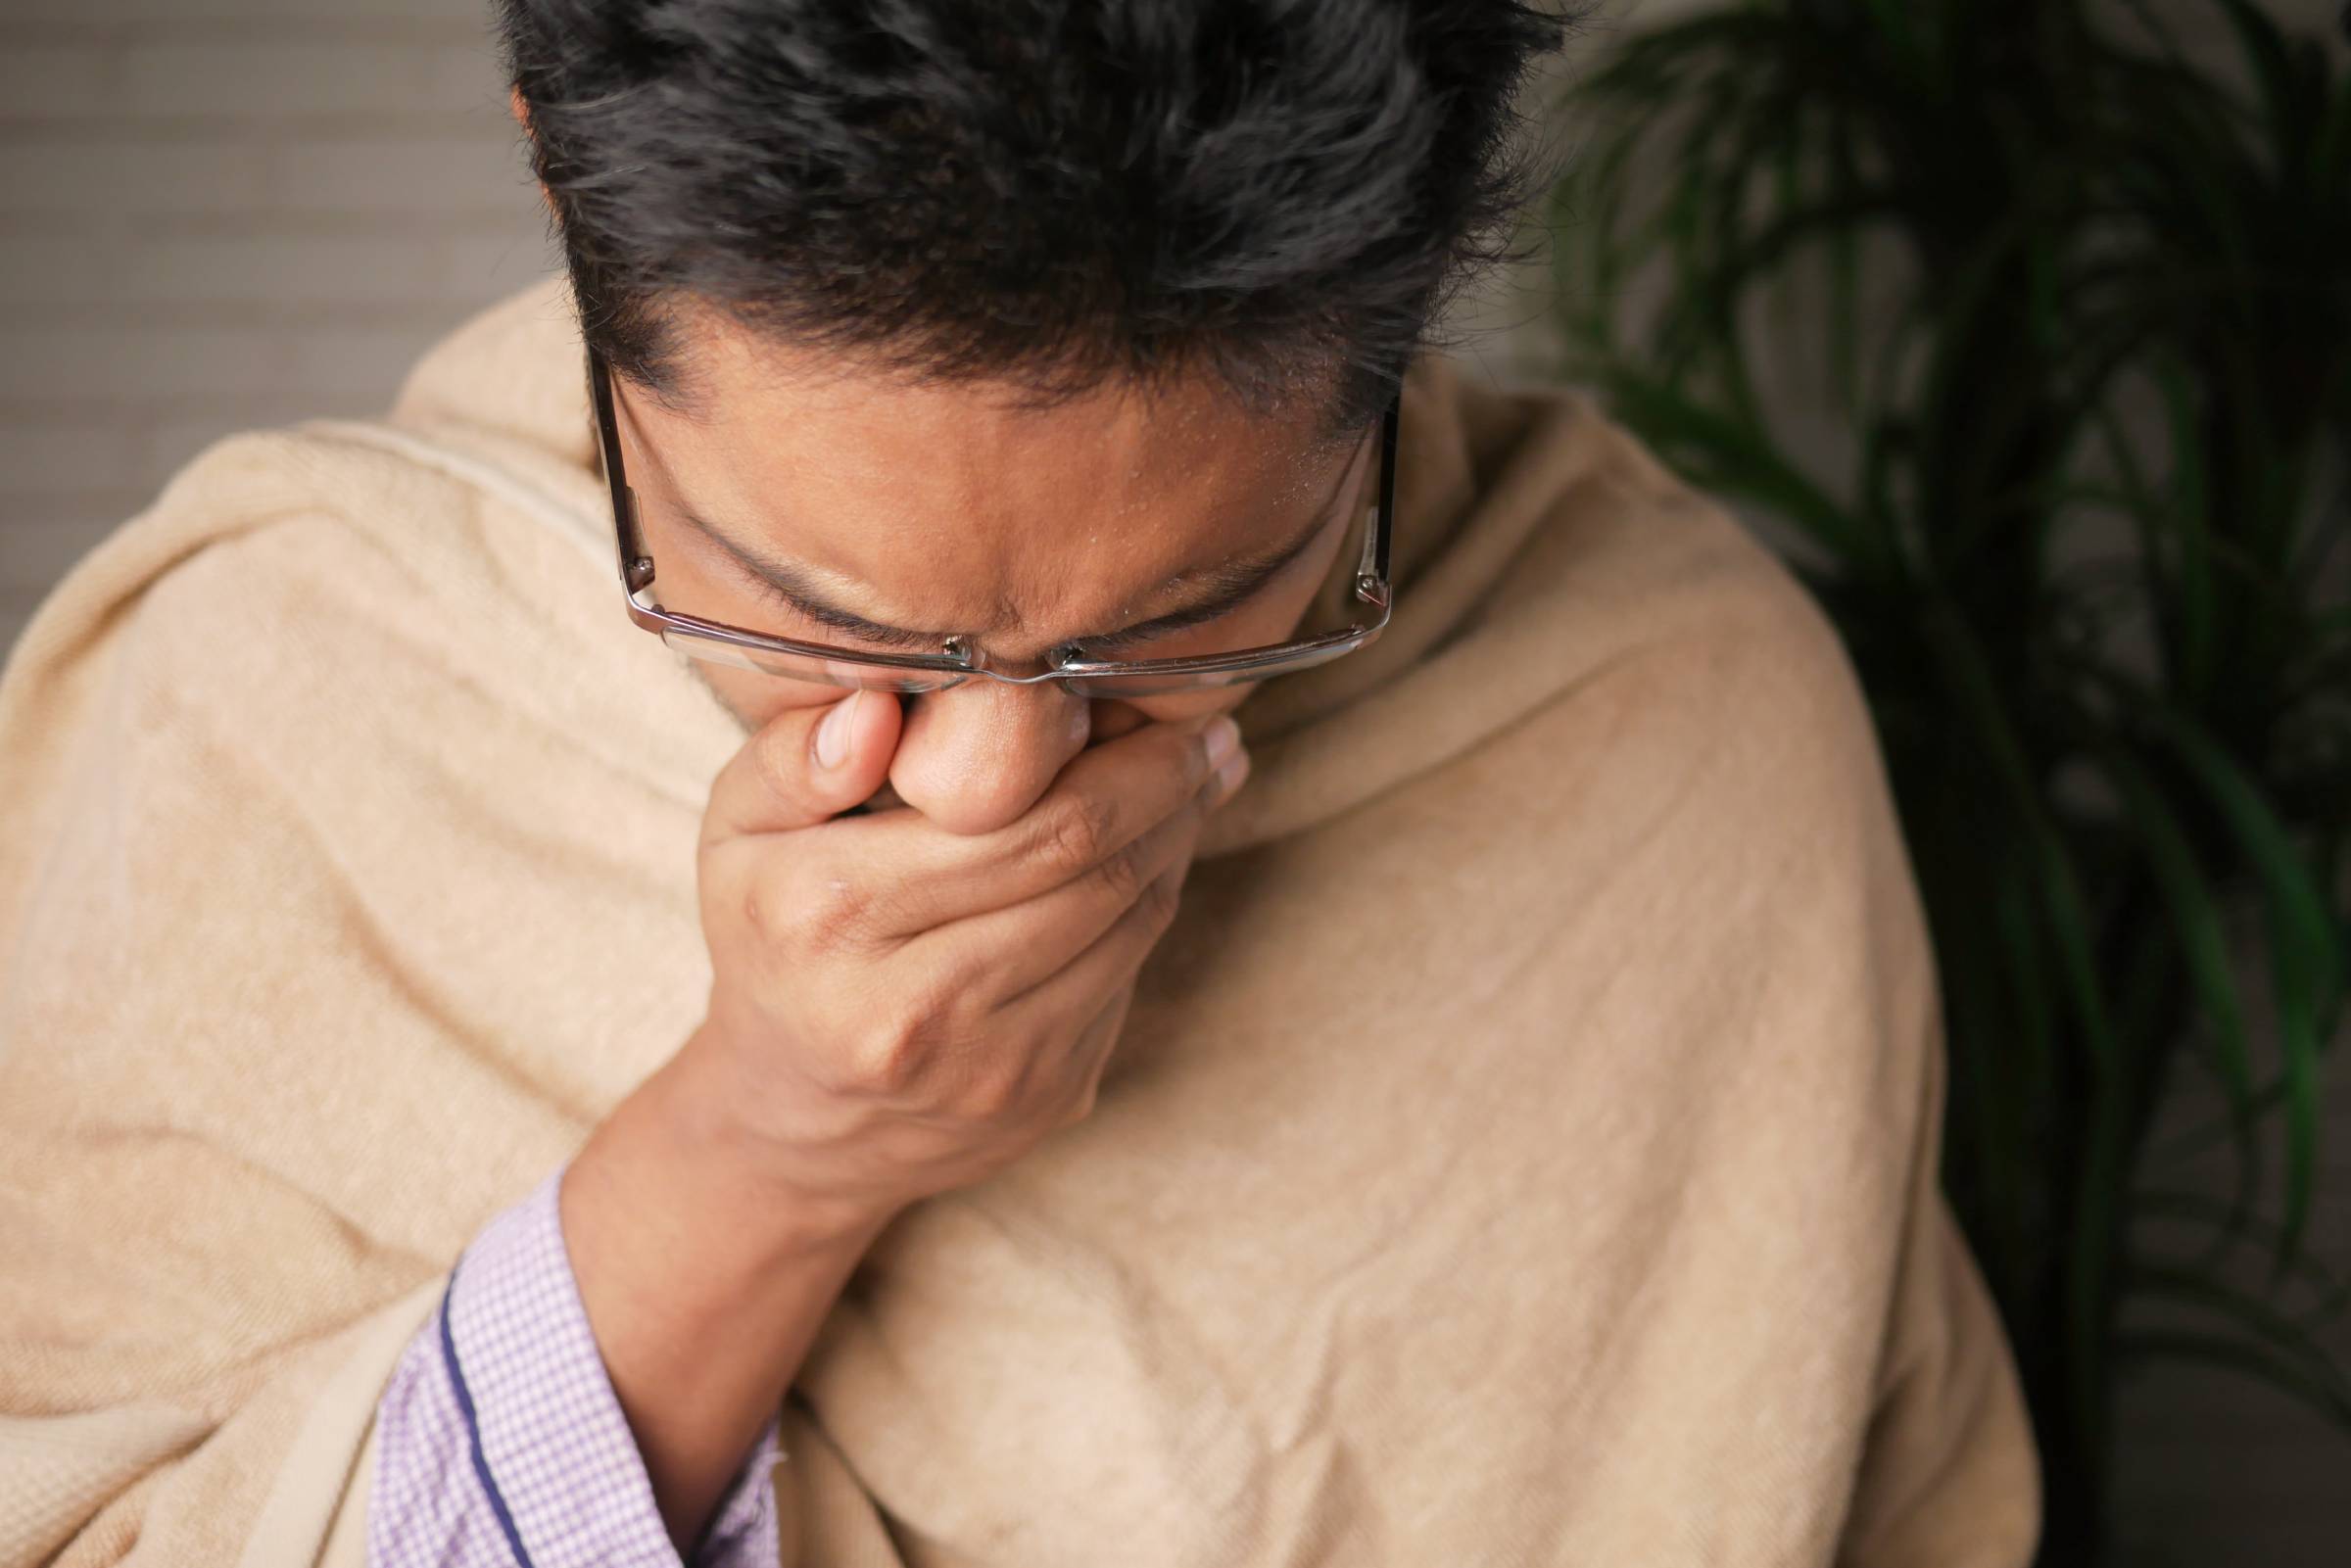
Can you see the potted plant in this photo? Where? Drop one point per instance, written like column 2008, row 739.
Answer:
column 2086, row 327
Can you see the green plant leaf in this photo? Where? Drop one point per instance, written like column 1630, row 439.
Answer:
column 2099, row 1196
column 2196, row 917
column 2306, row 949
column 2265, row 51
column 1739, row 461
column 2051, row 214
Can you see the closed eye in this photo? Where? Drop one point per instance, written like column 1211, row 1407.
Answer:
column 1219, row 593
column 825, row 615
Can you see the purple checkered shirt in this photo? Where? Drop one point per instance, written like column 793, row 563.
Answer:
column 501, row 1444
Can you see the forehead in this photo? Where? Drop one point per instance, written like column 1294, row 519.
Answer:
column 952, row 504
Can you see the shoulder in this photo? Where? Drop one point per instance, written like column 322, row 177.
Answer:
column 1706, row 746
column 1636, row 587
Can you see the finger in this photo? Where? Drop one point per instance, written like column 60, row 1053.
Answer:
column 1113, row 960
column 804, row 765
column 1104, row 798
column 1027, row 943
column 1089, row 1056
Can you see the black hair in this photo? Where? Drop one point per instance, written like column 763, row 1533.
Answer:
column 1046, row 194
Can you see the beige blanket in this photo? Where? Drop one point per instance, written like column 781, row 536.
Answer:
column 1522, row 1150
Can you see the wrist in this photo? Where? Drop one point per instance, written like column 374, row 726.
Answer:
column 682, row 1128
column 704, row 1282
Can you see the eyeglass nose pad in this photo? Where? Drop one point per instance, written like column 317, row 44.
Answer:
column 975, row 658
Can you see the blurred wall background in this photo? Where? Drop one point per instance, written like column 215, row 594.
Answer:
column 222, row 214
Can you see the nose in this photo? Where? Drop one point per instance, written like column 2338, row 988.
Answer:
column 974, row 757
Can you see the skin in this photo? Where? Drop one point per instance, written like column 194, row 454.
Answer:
column 905, row 1001
column 936, row 507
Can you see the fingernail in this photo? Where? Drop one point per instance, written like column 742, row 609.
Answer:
column 833, row 735
column 1222, row 737
column 1231, row 777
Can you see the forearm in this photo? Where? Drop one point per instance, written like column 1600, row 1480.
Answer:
column 704, row 1285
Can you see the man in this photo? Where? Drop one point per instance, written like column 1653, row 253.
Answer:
column 884, row 1070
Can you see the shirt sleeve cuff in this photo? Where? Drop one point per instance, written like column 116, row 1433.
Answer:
column 550, row 1445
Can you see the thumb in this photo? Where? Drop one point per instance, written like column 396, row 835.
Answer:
column 804, row 765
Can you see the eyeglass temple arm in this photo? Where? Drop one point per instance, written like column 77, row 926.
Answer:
column 635, row 568
column 1372, row 571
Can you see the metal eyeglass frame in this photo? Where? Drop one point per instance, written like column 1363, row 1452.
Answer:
column 957, row 661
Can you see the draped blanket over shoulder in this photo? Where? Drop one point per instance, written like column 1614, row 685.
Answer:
column 1521, row 1149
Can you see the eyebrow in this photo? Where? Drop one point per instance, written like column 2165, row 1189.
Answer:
column 1221, row 589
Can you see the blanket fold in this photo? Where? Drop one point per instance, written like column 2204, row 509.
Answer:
column 1521, row 1149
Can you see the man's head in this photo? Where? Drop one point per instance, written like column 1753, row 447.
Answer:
column 1011, row 318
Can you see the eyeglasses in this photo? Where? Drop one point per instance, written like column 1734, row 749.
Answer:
column 957, row 659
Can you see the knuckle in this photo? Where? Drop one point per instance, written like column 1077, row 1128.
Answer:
column 892, row 1053
column 830, row 913
column 884, row 1062
column 911, row 1026
column 1082, row 1105
column 765, row 904
column 997, row 1091
column 834, row 914
column 1160, row 899
column 819, row 915
column 1073, row 834
column 1121, row 874
column 951, row 997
